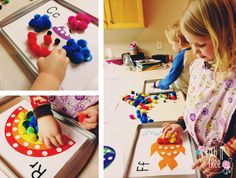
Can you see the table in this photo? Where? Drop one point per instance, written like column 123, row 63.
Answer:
column 119, row 129
column 90, row 170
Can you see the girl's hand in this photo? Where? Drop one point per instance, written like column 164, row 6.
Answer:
column 91, row 120
column 49, row 131
column 172, row 128
column 208, row 165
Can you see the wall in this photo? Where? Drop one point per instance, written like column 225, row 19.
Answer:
column 158, row 15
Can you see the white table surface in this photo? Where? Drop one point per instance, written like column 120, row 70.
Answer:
column 119, row 129
column 13, row 73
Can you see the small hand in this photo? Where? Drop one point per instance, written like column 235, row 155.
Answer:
column 91, row 120
column 208, row 165
column 170, row 129
column 50, row 131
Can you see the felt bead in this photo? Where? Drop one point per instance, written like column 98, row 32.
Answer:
column 0, row 7
column 81, row 117
column 29, row 114
column 132, row 92
column 44, row 52
column 49, row 32
column 82, row 26
column 86, row 53
column 83, row 17
column 74, row 25
column 76, row 48
column 21, row 116
column 30, row 130
column 30, row 137
column 22, row 130
column 25, row 124
column 57, row 41
column 144, row 120
column 77, row 58
column 6, row 1
column 47, row 40
column 150, row 120
column 36, row 49
column 82, row 43
column 32, row 35
column 70, row 42
column 131, row 116
column 40, row 23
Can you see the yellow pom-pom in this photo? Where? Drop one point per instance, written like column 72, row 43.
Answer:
column 30, row 137
column 22, row 116
column 143, row 111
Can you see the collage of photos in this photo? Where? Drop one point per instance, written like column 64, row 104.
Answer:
column 118, row 88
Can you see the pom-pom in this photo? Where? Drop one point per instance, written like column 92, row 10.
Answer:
column 47, row 40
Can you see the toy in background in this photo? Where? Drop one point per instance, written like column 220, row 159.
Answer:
column 109, row 156
column 144, row 102
column 133, row 48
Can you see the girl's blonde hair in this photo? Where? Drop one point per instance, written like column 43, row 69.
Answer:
column 216, row 19
column 173, row 33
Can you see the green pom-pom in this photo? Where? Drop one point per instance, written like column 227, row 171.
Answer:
column 30, row 130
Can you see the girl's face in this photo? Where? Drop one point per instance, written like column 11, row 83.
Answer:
column 201, row 46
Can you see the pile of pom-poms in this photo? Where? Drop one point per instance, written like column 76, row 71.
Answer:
column 79, row 22
column 77, row 52
column 40, row 23
column 35, row 48
column 28, row 127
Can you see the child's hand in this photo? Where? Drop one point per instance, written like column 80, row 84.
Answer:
column 52, row 70
column 91, row 120
column 203, row 164
column 55, row 64
column 49, row 131
column 170, row 129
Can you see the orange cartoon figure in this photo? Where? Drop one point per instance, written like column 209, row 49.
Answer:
column 168, row 151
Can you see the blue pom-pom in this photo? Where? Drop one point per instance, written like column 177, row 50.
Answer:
column 68, row 51
column 70, row 42
column 86, row 52
column 76, row 48
column 150, row 121
column 82, row 43
column 77, row 52
column 77, row 58
column 40, row 23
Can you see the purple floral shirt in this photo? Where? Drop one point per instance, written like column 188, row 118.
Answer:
column 71, row 105
column 209, row 105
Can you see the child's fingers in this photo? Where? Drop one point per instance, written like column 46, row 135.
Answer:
column 54, row 141
column 62, row 51
column 203, row 166
column 59, row 139
column 196, row 164
column 169, row 133
column 88, row 126
column 167, row 129
column 41, row 139
column 165, row 124
column 48, row 142
column 92, row 119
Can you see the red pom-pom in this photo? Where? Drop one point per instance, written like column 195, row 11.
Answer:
column 32, row 35
column 71, row 19
column 36, row 49
column 74, row 25
column 47, row 39
column 82, row 26
column 165, row 140
column 83, row 17
column 159, row 141
column 44, row 52
column 81, row 117
column 31, row 42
